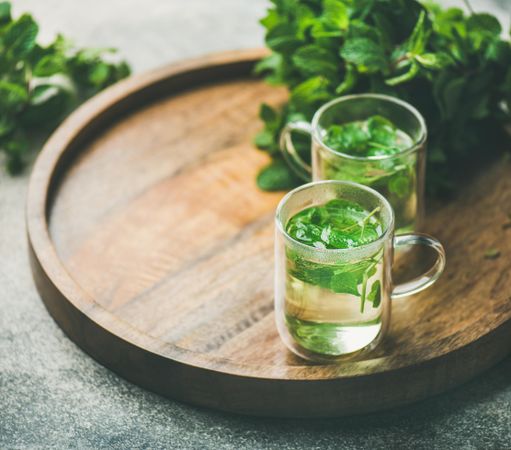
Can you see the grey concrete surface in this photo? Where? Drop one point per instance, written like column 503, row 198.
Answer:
column 54, row 396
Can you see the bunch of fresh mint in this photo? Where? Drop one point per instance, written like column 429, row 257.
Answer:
column 40, row 84
column 455, row 68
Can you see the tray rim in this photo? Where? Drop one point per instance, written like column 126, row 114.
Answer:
column 46, row 262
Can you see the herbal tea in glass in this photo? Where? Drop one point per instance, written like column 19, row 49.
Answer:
column 394, row 176
column 371, row 139
column 334, row 242
column 334, row 309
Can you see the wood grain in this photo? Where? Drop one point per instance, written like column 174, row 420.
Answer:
column 152, row 248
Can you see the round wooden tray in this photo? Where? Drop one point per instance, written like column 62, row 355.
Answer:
column 152, row 248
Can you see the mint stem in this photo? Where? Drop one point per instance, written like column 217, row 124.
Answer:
column 469, row 6
column 364, row 220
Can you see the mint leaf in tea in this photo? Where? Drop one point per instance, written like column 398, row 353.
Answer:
column 335, row 225
column 390, row 171
column 334, row 308
column 376, row 136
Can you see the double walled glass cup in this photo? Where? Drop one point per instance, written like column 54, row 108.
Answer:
column 399, row 177
column 330, row 303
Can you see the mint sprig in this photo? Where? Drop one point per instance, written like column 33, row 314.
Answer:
column 376, row 136
column 454, row 67
column 40, row 84
column 337, row 224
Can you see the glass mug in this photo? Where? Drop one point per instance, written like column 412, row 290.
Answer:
column 319, row 320
column 399, row 177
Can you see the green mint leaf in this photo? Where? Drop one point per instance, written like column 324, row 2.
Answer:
column 268, row 114
column 349, row 138
column 418, row 39
column 20, row 36
column 47, row 105
column 264, row 140
column 344, row 210
column 345, row 283
column 50, row 65
column 492, row 253
column 14, row 164
column 323, row 30
column 365, row 53
column 359, row 29
column 283, row 39
column 499, row 52
column 99, row 74
column 12, row 96
column 271, row 20
column 375, row 295
column 485, row 23
column 336, row 12
column 304, row 19
column 5, row 12
column 400, row 184
column 277, row 176
column 368, row 273
column 311, row 91
column 315, row 60
column 382, row 131
column 267, row 139
column 269, row 63
column 91, row 73
column 335, row 225
column 15, row 149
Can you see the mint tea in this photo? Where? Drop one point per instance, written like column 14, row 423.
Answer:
column 334, row 242
column 334, row 308
column 370, row 139
column 381, row 162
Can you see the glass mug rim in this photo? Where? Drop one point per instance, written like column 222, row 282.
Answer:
column 388, row 231
column 417, row 144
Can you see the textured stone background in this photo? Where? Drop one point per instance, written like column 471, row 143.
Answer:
column 53, row 395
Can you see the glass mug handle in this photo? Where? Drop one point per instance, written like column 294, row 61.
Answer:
column 299, row 166
column 428, row 278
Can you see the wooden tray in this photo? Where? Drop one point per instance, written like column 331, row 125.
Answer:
column 152, row 248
